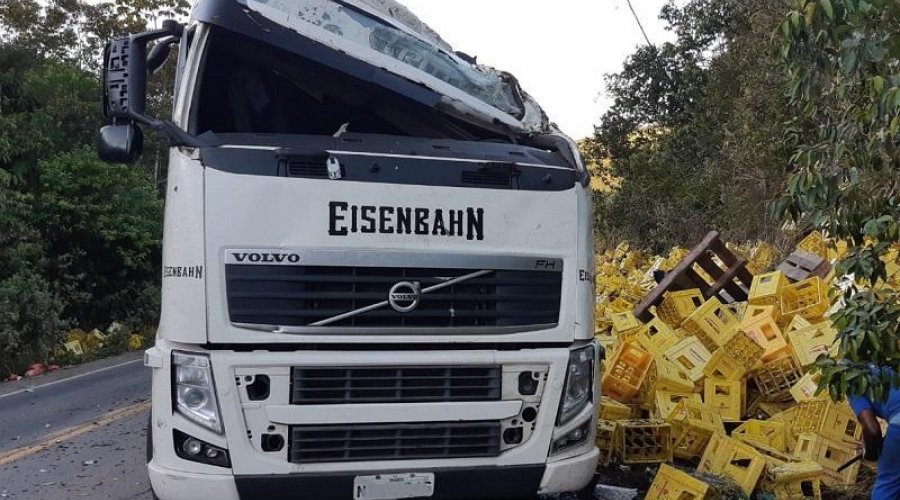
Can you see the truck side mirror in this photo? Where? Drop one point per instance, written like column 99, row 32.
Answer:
column 121, row 143
column 125, row 70
column 126, row 66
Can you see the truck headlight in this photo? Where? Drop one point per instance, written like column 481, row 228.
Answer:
column 578, row 390
column 195, row 393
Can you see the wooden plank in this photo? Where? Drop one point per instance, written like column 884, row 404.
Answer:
column 712, row 269
column 673, row 278
column 683, row 276
column 698, row 280
column 727, row 281
column 723, row 253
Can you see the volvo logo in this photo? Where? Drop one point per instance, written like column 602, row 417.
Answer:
column 404, row 296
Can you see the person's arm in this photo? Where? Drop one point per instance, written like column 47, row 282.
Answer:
column 871, row 432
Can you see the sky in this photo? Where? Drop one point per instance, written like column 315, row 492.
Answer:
column 559, row 50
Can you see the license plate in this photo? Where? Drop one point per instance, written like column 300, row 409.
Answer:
column 391, row 486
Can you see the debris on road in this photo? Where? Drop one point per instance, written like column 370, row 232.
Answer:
column 710, row 367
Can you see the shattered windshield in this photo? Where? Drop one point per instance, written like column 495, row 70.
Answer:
column 362, row 29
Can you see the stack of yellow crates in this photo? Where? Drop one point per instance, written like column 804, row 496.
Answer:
column 732, row 386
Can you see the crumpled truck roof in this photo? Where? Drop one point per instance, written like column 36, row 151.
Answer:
column 386, row 34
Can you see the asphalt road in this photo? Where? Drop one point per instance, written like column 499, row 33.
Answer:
column 81, row 433
column 76, row 433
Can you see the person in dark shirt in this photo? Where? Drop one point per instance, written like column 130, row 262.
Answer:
column 886, row 450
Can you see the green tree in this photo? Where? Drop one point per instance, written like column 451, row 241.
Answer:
column 844, row 68
column 79, row 239
column 695, row 132
column 30, row 308
column 102, row 223
column 47, row 107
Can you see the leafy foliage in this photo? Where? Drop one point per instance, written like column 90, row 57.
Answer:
column 107, row 231
column 79, row 239
column 696, row 129
column 843, row 58
column 30, row 309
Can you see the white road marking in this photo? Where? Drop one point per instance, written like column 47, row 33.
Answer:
column 74, row 377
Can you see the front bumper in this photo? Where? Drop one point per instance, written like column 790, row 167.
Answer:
column 521, row 470
column 452, row 483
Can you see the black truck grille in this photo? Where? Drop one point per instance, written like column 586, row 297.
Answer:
column 395, row 384
column 344, row 443
column 302, row 295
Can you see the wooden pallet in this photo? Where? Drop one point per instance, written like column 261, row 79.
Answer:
column 734, row 280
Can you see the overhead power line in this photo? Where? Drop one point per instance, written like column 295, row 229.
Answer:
column 641, row 26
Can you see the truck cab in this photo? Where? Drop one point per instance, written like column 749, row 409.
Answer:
column 377, row 262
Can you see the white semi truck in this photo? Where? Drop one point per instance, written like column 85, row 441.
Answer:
column 377, row 266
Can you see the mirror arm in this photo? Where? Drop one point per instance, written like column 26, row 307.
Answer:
column 176, row 135
column 159, row 53
column 169, row 34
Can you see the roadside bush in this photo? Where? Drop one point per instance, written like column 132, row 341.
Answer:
column 30, row 308
column 30, row 323
column 103, row 225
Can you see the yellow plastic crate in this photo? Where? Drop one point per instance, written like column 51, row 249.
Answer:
column 797, row 323
column 612, row 410
column 810, row 342
column 729, row 457
column 794, row 480
column 606, row 433
column 693, row 424
column 736, row 357
column 627, row 369
column 839, row 250
column 765, row 289
column 752, row 311
column 772, row 409
column 806, row 387
column 762, row 258
column 726, row 396
column 678, row 305
column 786, row 416
column 835, row 421
column 675, row 256
column 632, row 293
column 712, row 323
column 664, row 402
column 763, row 329
column 722, row 366
column 624, row 322
column 620, row 305
column 830, row 455
column 656, row 337
column 743, row 349
column 632, row 260
column 766, row 432
column 691, row 356
column 662, row 376
column 775, row 378
column 643, row 441
column 814, row 243
column 737, row 308
column 669, row 377
column 672, row 484
column 610, row 343
column 807, row 298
